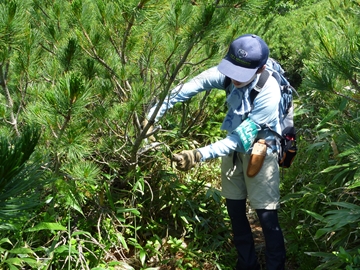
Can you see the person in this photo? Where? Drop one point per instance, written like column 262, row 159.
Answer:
column 246, row 122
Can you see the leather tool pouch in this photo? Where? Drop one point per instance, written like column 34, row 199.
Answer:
column 257, row 158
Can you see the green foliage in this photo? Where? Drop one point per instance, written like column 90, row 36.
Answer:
column 286, row 7
column 322, row 202
column 289, row 35
column 21, row 177
column 85, row 72
column 181, row 221
column 334, row 63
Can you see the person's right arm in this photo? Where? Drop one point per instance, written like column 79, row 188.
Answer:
column 206, row 80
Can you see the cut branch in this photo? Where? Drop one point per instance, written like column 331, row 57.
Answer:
column 9, row 101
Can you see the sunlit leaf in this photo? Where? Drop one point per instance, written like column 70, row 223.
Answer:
column 142, row 256
column 314, row 215
column 46, row 226
column 128, row 210
column 21, row 251
column 331, row 168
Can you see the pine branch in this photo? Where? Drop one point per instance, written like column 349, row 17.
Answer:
column 128, row 30
column 121, row 92
column 196, row 36
column 347, row 97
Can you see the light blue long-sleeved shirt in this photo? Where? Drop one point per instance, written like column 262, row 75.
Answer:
column 264, row 111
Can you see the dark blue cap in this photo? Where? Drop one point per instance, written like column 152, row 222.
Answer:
column 246, row 55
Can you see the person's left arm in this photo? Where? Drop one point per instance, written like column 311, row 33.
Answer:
column 208, row 79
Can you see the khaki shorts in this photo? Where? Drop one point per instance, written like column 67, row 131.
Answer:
column 262, row 190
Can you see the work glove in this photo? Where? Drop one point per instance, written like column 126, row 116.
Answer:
column 186, row 159
column 150, row 130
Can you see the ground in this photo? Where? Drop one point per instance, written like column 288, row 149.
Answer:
column 259, row 246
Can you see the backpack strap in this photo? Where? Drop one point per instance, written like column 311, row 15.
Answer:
column 259, row 86
column 227, row 82
column 257, row 89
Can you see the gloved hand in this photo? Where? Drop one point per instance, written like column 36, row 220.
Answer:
column 151, row 128
column 186, row 159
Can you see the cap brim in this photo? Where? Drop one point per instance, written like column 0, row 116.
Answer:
column 236, row 73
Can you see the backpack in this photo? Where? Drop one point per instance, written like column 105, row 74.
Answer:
column 288, row 148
